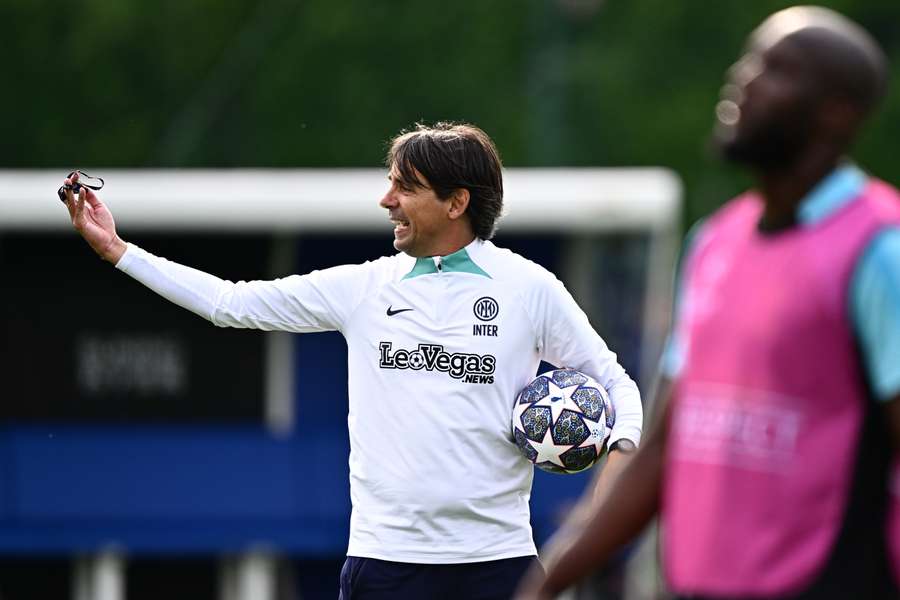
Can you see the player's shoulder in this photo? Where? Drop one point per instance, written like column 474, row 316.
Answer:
column 391, row 268
column 510, row 268
column 882, row 253
column 742, row 211
column 372, row 273
column 881, row 187
column 884, row 201
column 746, row 207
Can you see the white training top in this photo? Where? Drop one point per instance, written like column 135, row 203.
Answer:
column 438, row 348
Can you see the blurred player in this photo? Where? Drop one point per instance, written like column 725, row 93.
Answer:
column 441, row 337
column 769, row 464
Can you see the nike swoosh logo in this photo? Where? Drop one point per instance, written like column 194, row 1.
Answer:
column 391, row 313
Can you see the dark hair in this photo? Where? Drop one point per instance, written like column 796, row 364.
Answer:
column 849, row 60
column 846, row 57
column 451, row 156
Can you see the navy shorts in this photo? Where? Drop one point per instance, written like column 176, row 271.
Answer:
column 373, row 579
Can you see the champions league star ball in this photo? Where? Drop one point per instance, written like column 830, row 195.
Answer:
column 561, row 421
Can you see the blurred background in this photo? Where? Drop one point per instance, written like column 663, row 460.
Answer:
column 141, row 452
column 316, row 83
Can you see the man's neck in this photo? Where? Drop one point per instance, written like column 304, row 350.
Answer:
column 783, row 189
column 451, row 245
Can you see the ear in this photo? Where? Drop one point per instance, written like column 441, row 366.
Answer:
column 458, row 203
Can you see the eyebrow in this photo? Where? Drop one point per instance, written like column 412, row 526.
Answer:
column 401, row 180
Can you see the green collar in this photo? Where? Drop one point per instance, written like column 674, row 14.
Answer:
column 458, row 262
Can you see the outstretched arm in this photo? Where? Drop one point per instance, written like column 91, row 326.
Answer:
column 616, row 519
column 319, row 301
column 94, row 222
column 189, row 288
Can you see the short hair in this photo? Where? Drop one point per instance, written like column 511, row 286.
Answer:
column 849, row 59
column 452, row 156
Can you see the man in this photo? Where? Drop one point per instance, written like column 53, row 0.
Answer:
column 439, row 490
column 769, row 461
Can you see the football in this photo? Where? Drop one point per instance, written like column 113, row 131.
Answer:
column 561, row 421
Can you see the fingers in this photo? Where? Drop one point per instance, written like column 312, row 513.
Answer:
column 70, row 198
column 79, row 206
column 91, row 197
column 76, row 204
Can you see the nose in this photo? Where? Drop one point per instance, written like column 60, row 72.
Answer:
column 388, row 200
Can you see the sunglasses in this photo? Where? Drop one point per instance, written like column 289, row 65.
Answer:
column 94, row 183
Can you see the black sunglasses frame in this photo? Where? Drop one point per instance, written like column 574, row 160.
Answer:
column 76, row 187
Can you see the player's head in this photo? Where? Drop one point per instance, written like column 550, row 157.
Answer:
column 446, row 187
column 808, row 76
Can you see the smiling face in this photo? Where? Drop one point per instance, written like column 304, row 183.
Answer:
column 422, row 221
column 458, row 164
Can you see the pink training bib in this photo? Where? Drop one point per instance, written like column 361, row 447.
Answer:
column 766, row 417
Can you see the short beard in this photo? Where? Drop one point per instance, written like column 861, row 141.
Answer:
column 773, row 146
column 774, row 150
